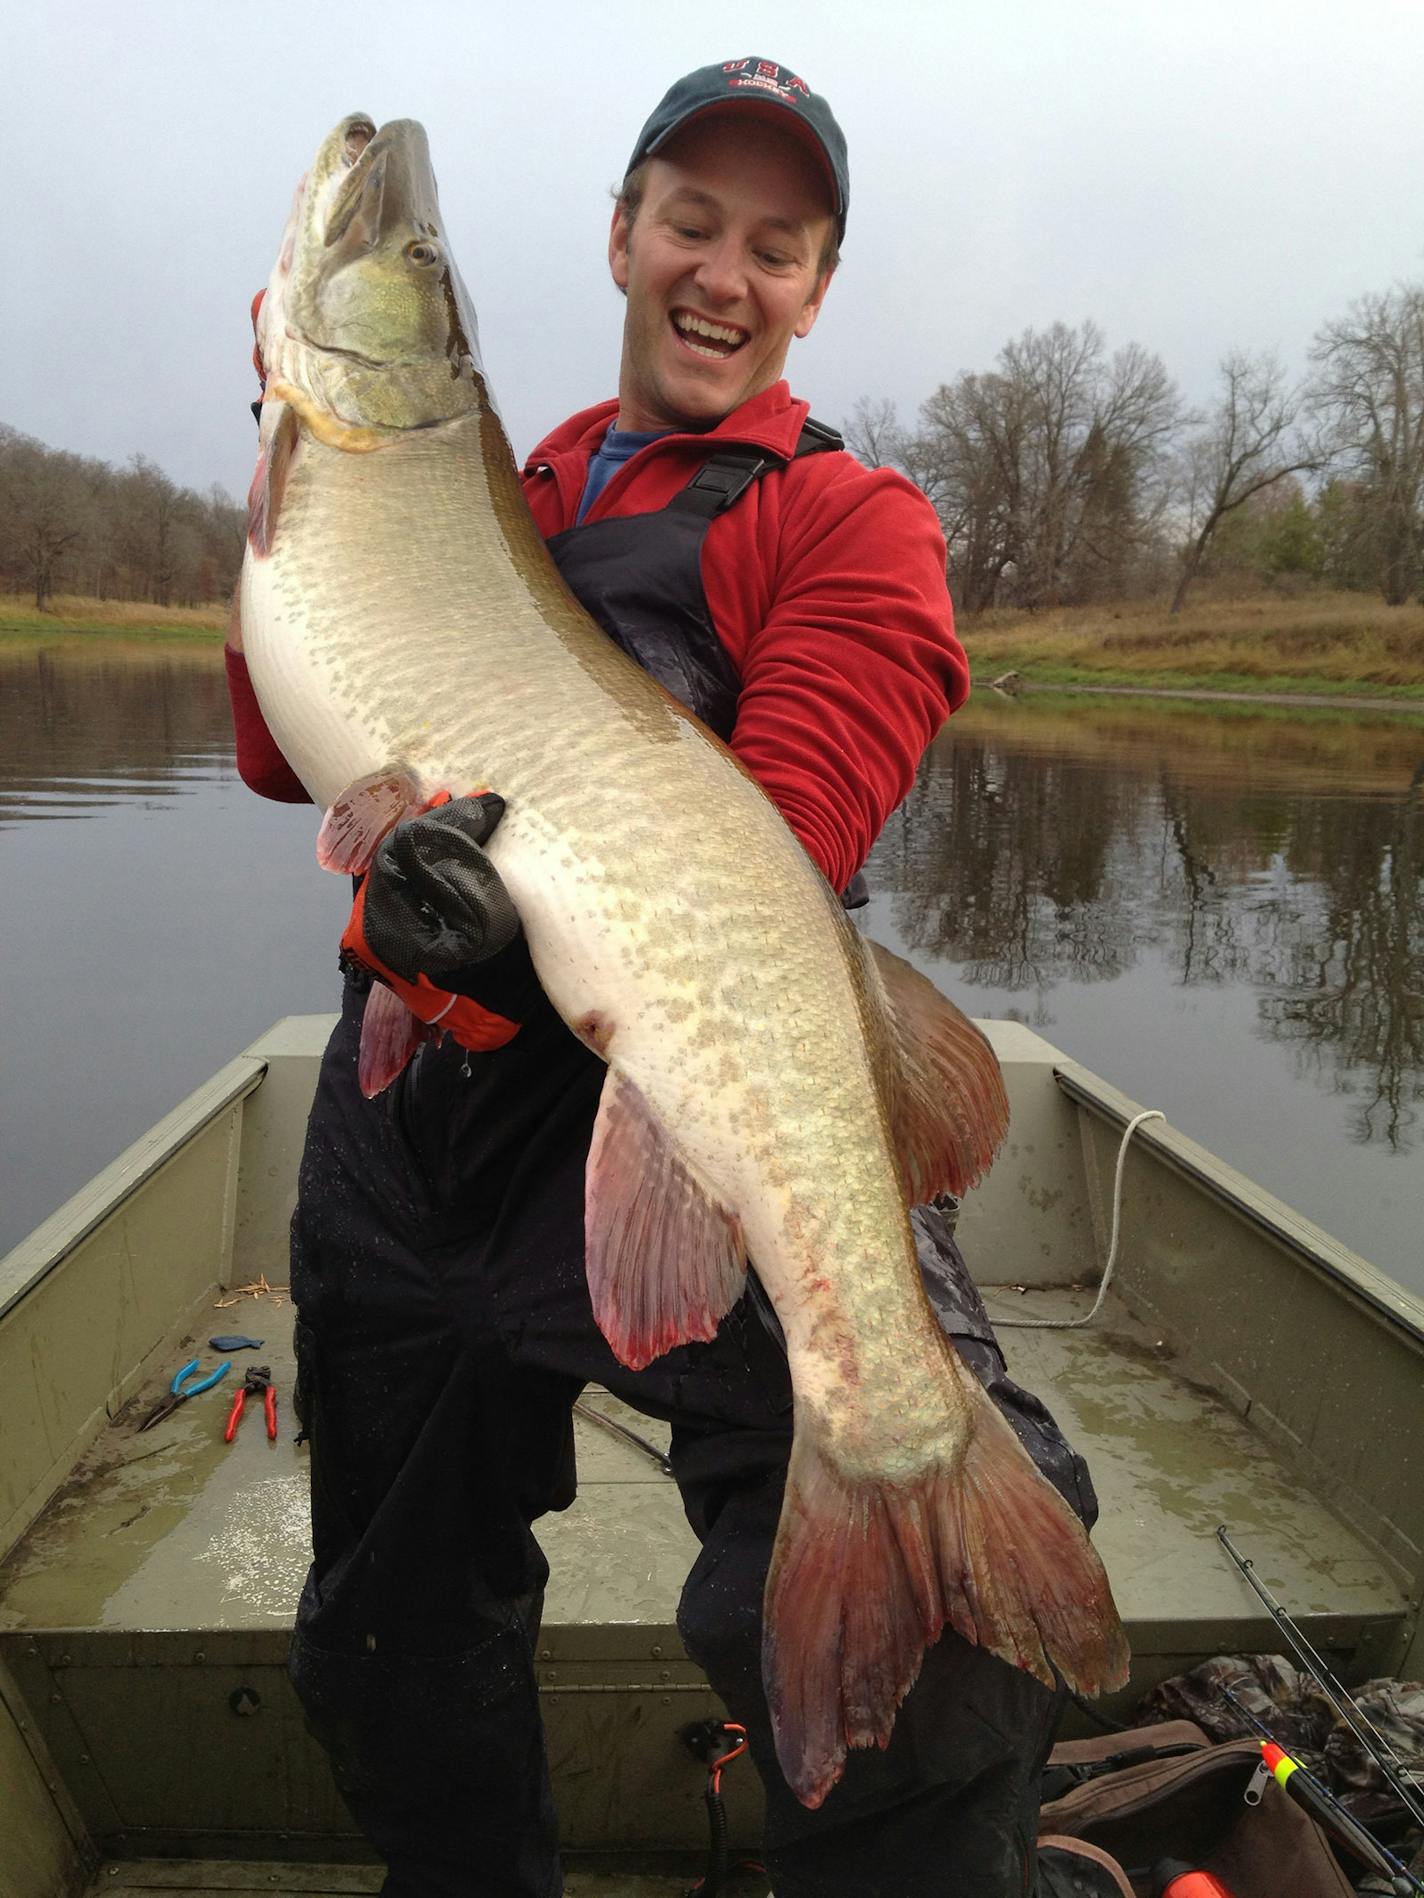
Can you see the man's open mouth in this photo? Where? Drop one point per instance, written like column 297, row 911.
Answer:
column 706, row 338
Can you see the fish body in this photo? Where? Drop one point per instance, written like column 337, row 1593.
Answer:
column 777, row 1089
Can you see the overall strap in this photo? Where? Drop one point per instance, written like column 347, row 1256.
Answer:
column 727, row 475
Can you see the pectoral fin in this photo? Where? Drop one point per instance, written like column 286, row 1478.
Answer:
column 665, row 1259
column 280, row 435
column 948, row 1108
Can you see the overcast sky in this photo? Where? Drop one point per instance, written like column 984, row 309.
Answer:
column 1194, row 175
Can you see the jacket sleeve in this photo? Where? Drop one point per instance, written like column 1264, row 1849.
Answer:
column 854, row 665
column 260, row 764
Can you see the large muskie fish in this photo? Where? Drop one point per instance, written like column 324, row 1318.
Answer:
column 776, row 1087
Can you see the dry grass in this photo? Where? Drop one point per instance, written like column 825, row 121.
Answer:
column 70, row 614
column 1332, row 642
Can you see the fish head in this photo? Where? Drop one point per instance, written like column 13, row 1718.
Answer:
column 365, row 315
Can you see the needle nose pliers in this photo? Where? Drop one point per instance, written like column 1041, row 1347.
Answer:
column 180, row 1391
column 257, row 1378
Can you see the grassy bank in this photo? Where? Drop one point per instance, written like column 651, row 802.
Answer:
column 1335, row 644
column 70, row 618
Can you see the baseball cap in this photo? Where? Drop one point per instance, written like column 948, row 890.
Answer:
column 759, row 82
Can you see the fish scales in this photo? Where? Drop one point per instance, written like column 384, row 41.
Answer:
column 401, row 615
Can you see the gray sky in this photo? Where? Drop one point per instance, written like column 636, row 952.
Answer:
column 1195, row 176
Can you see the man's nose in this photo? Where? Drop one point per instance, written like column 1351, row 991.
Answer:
column 721, row 272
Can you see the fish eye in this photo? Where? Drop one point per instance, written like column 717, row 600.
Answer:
column 421, row 252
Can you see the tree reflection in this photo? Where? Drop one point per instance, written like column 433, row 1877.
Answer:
column 1036, row 854
column 75, row 726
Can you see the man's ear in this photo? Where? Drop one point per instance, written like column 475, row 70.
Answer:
column 618, row 248
column 811, row 309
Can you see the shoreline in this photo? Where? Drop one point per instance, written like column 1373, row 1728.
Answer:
column 1404, row 699
column 1035, row 672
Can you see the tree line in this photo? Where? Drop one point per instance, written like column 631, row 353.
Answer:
column 1067, row 474
column 71, row 524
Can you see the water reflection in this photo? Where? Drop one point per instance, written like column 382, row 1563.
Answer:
column 1041, row 846
column 1149, row 884
column 77, row 731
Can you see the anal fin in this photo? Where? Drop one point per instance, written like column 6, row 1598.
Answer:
column 666, row 1260
column 948, row 1109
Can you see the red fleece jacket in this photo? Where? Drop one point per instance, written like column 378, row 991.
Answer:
column 826, row 584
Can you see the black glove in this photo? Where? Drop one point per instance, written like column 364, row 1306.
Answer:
column 434, row 903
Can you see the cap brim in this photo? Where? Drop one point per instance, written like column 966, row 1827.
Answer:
column 786, row 118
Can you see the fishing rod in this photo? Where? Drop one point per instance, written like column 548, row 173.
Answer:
column 1398, row 1776
column 1328, row 1812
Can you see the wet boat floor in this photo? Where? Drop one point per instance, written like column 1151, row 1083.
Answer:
column 132, row 1878
column 170, row 1535
column 173, row 1529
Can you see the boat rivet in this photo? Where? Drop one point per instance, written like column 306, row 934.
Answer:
column 83, row 1759
column 64, row 1660
column 550, row 1675
column 546, row 1654
column 199, row 1658
column 55, row 1699
column 665, row 1675
column 656, row 1653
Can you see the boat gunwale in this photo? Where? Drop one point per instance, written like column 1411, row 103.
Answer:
column 47, row 1245
column 1308, row 1243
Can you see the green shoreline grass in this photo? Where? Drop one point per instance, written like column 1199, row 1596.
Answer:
column 1330, row 645
column 1318, row 645
column 72, row 621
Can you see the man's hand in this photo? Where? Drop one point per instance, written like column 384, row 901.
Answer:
column 433, row 902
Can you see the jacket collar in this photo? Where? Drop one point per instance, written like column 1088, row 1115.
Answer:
column 771, row 420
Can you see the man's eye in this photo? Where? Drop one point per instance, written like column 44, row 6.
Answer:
column 688, row 230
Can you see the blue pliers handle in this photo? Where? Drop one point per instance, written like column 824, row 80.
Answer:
column 179, row 1391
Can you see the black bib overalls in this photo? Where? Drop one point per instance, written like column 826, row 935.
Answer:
column 444, row 1332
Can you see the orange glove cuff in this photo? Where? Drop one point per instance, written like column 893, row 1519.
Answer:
column 476, row 1028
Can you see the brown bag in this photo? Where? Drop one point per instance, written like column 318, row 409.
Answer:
column 1191, row 1806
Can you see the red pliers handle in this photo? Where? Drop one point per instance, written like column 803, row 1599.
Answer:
column 259, row 1378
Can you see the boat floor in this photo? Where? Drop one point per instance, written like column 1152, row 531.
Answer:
column 158, row 1588
column 131, row 1878
column 173, row 1530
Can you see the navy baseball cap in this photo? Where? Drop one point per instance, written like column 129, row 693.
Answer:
column 764, row 84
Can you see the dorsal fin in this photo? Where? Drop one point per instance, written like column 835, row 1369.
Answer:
column 948, row 1109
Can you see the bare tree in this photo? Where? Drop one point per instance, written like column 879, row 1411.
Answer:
column 69, row 521
column 1369, row 398
column 1045, row 471
column 44, row 508
column 1247, row 444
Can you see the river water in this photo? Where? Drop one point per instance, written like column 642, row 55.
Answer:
column 1217, row 908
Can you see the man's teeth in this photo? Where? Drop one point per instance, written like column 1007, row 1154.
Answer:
column 689, row 326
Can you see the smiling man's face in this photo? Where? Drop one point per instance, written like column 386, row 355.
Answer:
column 722, row 267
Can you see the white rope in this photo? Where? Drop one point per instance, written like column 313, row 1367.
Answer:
column 1075, row 1324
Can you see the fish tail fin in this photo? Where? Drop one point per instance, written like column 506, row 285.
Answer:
column 865, row 1576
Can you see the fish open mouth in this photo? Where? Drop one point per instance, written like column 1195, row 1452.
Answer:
column 361, row 156
column 704, row 337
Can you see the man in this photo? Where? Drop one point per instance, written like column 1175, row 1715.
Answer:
column 797, row 603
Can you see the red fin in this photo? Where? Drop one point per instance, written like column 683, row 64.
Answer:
column 865, row 1577
column 390, row 1035
column 948, row 1107
column 665, row 1261
column 361, row 816
column 269, row 480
